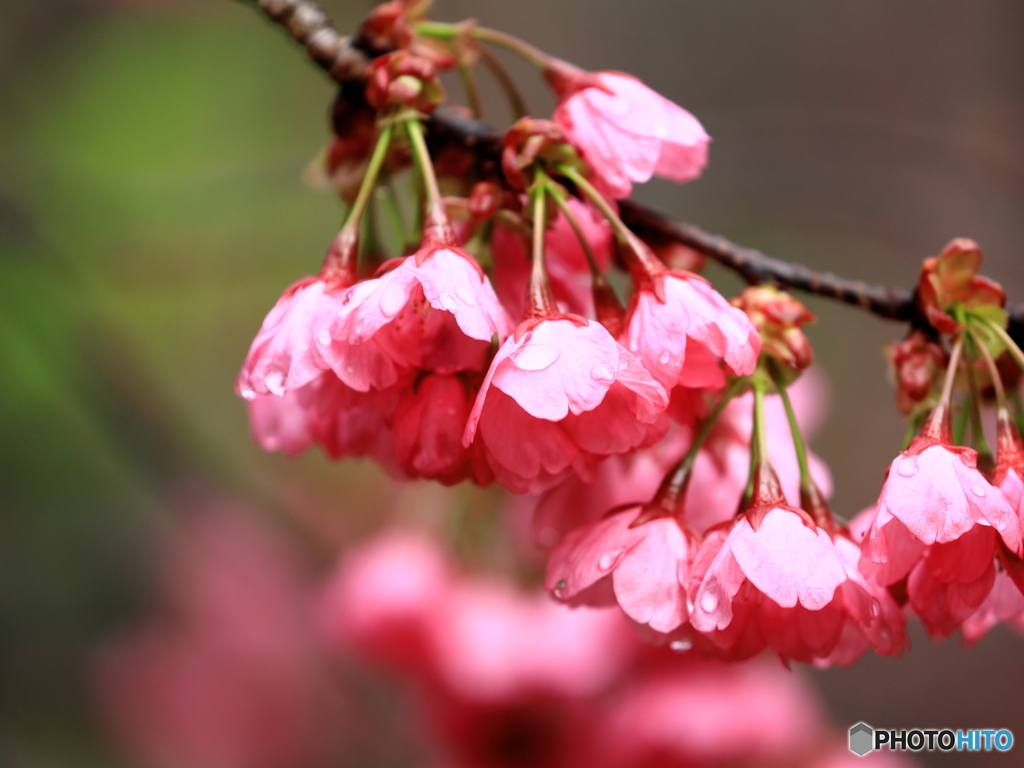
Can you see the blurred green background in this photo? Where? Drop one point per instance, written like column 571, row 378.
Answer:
column 152, row 208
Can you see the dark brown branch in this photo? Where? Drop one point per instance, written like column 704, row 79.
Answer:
column 342, row 58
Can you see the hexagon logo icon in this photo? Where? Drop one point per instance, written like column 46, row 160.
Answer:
column 861, row 739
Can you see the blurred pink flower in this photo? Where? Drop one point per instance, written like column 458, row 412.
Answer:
column 230, row 675
column 710, row 713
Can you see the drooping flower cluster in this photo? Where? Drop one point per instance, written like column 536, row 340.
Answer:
column 495, row 346
column 946, row 531
column 433, row 371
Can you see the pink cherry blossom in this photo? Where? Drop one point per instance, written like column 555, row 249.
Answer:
column 792, row 586
column 435, row 310
column 648, row 567
column 951, row 580
column 627, row 133
column 1004, row 603
column 283, row 356
column 427, row 430
column 680, row 328
column 785, row 558
column 326, row 411
column 872, row 618
column 934, row 494
column 561, row 394
column 566, row 263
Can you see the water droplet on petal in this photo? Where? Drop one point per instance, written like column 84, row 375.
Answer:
column 535, row 357
column 709, row 601
column 393, row 300
column 248, row 393
column 665, row 358
column 608, row 559
column 350, row 368
column 1001, row 524
column 559, row 590
column 908, row 467
column 660, row 130
column 447, row 301
column 466, row 295
column 324, row 337
column 275, row 382
column 873, row 610
column 978, row 490
column 681, row 646
column 602, row 373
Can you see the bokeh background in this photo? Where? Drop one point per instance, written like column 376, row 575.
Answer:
column 152, row 207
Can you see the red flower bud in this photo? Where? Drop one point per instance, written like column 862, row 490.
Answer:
column 778, row 318
column 405, row 80
column 951, row 279
column 918, row 364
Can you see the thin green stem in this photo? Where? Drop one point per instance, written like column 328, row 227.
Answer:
column 421, row 156
column 978, row 441
column 1011, row 345
column 670, row 494
column 380, row 150
column 760, row 437
column 705, row 428
column 798, row 440
column 519, row 47
column 643, row 264
column 954, row 362
column 993, row 369
column 437, row 228
column 575, row 224
column 539, row 300
column 538, row 273
column 622, row 232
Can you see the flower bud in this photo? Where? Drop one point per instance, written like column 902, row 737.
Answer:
column 530, row 141
column 951, row 279
column 917, row 365
column 779, row 319
column 404, row 80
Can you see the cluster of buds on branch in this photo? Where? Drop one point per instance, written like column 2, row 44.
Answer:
column 519, row 333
